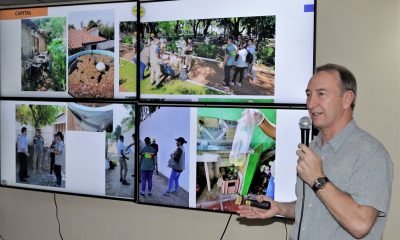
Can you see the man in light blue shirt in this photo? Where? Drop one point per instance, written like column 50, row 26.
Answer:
column 345, row 176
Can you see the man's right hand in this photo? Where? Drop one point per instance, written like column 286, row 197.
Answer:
column 254, row 212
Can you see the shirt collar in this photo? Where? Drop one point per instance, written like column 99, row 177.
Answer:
column 340, row 137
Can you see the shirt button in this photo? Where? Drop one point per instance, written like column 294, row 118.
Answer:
column 303, row 229
column 310, row 205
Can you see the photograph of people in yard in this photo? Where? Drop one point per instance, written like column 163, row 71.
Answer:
column 164, row 157
column 219, row 56
column 120, row 153
column 128, row 48
column 91, row 54
column 40, row 145
column 235, row 156
column 43, row 54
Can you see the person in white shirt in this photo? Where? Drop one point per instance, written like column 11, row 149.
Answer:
column 122, row 160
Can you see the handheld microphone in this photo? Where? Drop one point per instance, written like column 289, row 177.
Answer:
column 305, row 127
column 254, row 203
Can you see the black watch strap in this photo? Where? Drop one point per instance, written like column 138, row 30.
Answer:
column 320, row 183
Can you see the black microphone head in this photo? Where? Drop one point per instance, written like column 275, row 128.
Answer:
column 305, row 123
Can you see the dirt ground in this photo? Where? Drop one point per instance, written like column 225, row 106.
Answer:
column 126, row 51
column 160, row 183
column 113, row 185
column 38, row 80
column 45, row 178
column 211, row 74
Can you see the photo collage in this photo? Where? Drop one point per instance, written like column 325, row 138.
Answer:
column 76, row 55
column 71, row 52
column 186, row 106
column 71, row 147
column 215, row 158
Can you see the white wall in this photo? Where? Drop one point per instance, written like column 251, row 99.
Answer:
column 165, row 132
column 361, row 34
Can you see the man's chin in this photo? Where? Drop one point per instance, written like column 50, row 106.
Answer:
column 316, row 123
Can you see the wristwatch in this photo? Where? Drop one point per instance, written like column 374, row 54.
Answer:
column 320, row 183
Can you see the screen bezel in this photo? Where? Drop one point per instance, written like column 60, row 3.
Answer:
column 294, row 107
column 173, row 101
column 138, row 101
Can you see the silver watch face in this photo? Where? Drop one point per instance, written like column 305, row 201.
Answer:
column 320, row 183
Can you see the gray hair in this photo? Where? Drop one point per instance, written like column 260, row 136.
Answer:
column 347, row 78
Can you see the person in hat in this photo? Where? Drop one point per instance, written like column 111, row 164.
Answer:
column 177, row 164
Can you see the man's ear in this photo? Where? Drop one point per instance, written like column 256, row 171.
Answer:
column 348, row 97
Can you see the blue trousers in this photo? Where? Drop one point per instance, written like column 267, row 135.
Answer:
column 146, row 177
column 142, row 67
column 174, row 177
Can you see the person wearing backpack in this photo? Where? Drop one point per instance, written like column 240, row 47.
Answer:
column 229, row 61
column 177, row 165
column 251, row 60
column 241, row 64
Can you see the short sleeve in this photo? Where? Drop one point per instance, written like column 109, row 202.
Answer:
column 371, row 180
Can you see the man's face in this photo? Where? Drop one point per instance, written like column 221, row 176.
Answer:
column 326, row 103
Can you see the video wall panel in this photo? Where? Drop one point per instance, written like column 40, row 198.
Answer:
column 68, row 147
column 221, row 49
column 78, row 74
column 81, row 51
column 210, row 157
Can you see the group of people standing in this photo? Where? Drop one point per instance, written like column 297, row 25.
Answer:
column 56, row 150
column 240, row 56
column 148, row 164
column 162, row 65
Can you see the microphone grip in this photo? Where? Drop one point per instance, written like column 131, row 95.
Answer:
column 263, row 205
column 305, row 136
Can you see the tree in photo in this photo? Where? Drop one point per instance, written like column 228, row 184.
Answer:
column 38, row 115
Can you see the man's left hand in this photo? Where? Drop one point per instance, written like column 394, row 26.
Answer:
column 309, row 165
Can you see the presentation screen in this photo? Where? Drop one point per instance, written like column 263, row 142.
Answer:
column 214, row 158
column 76, row 51
column 226, row 49
column 68, row 147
